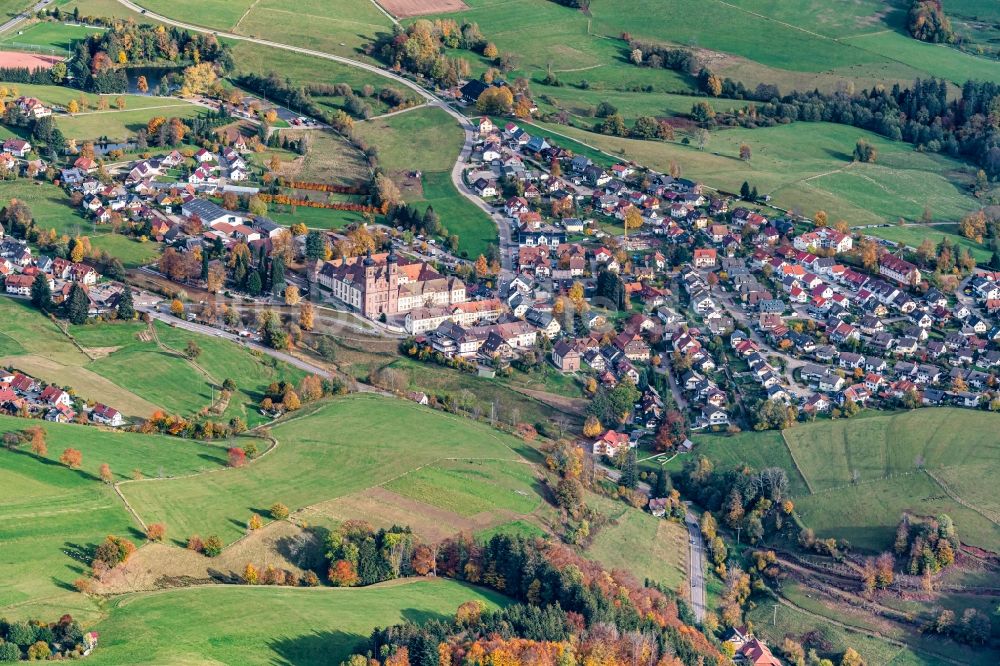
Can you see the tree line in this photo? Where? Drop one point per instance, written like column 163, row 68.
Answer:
column 568, row 610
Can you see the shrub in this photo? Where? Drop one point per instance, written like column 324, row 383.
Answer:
column 212, row 546
column 279, row 511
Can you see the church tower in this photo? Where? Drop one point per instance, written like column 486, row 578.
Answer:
column 392, row 270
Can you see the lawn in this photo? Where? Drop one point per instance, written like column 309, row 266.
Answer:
column 56, row 38
column 428, row 140
column 808, row 167
column 51, row 515
column 345, row 446
column 304, row 626
column 759, row 450
column 11, row 8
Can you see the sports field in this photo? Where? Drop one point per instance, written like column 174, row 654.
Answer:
column 269, row 625
column 46, row 37
column 808, row 167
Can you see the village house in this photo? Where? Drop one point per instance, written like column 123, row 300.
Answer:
column 565, row 357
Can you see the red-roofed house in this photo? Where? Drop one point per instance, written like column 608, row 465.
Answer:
column 611, row 443
column 705, row 257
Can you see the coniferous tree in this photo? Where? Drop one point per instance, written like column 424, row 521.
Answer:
column 126, row 307
column 41, row 293
column 630, row 472
column 77, row 305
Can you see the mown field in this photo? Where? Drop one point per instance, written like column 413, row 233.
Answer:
column 428, row 140
column 343, row 447
column 51, row 516
column 342, row 27
column 55, row 38
column 956, row 449
column 808, row 167
column 108, row 370
column 302, row 626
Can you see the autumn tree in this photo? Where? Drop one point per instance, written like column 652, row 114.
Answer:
column 864, row 151
column 255, row 523
column 342, row 574
column 72, row 458
column 592, row 427
column 745, row 152
column 250, row 575
column 820, row 219
column 868, row 253
column 633, row 218
column 292, row 296
column 495, row 101
column 105, row 473
column 237, row 457
column 306, row 316
column 278, row 511
column 156, row 531
column 38, row 444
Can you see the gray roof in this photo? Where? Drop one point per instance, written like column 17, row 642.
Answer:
column 205, row 210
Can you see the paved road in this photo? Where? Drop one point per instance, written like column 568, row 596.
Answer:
column 281, row 356
column 503, row 229
column 15, row 21
column 696, row 566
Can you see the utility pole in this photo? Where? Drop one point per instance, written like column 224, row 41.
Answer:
column 738, row 534
column 774, row 621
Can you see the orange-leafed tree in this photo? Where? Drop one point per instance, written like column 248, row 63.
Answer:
column 342, row 574
column 156, row 531
column 105, row 473
column 72, row 458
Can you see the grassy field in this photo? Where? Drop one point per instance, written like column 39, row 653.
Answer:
column 61, row 96
column 56, row 38
column 808, row 167
column 468, row 487
column 122, row 125
column 428, row 140
column 168, row 381
column 336, row 27
column 913, row 235
column 305, row 626
column 51, row 515
column 957, row 448
column 304, row 69
column 636, row 541
column 330, row 159
column 346, row 446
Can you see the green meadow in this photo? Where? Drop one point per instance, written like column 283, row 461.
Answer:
column 303, row 626
column 339, row 448
column 52, row 516
column 808, row 167
column 430, row 141
column 854, row 478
